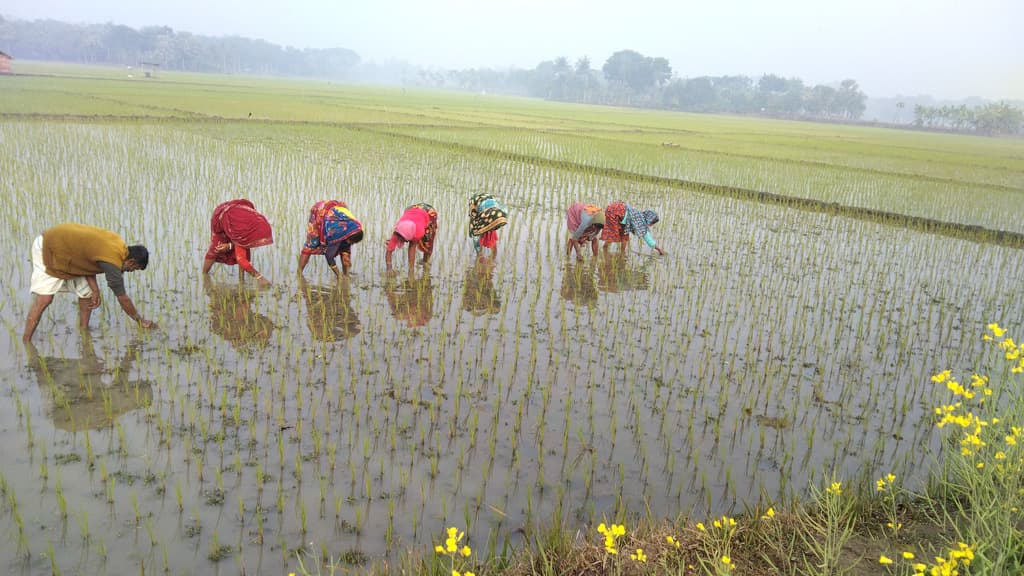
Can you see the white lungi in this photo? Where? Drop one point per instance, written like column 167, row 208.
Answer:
column 46, row 285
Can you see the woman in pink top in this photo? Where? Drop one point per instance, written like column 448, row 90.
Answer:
column 418, row 227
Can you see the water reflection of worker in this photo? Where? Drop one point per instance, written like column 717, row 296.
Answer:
column 578, row 284
column 329, row 311
column 412, row 299
column 615, row 274
column 478, row 293
column 232, row 317
column 82, row 393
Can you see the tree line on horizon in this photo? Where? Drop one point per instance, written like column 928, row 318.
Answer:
column 115, row 44
column 627, row 77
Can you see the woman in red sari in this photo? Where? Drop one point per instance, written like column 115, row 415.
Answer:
column 235, row 229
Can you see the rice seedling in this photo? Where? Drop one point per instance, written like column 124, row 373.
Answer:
column 780, row 338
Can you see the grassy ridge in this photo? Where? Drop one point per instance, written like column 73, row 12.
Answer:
column 963, row 186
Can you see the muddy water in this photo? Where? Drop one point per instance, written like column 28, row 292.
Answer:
column 769, row 348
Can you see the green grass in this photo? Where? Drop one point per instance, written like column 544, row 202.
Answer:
column 962, row 180
column 527, row 399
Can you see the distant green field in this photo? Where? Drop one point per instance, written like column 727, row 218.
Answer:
column 949, row 178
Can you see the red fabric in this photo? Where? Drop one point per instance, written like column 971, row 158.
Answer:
column 420, row 218
column 395, row 242
column 489, row 239
column 613, row 230
column 237, row 222
column 242, row 256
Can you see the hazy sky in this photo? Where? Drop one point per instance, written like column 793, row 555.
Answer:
column 946, row 48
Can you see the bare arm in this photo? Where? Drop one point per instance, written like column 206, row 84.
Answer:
column 94, row 300
column 129, row 308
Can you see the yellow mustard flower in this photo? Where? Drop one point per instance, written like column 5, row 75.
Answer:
column 883, row 559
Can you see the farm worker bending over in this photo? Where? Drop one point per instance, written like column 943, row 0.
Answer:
column 418, row 227
column 585, row 222
column 624, row 220
column 68, row 257
column 486, row 215
column 332, row 230
column 235, row 229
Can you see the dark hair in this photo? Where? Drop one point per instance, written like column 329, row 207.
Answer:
column 140, row 255
column 356, row 238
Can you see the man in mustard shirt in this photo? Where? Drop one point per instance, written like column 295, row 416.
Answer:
column 68, row 257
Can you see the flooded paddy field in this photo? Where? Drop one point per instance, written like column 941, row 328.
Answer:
column 769, row 349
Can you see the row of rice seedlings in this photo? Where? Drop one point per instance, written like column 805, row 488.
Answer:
column 740, row 364
column 847, row 178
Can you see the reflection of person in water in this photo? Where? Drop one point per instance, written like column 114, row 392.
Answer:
column 478, row 294
column 614, row 274
column 82, row 393
column 329, row 312
column 232, row 317
column 411, row 300
column 578, row 284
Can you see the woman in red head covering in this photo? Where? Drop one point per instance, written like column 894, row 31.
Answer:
column 235, row 229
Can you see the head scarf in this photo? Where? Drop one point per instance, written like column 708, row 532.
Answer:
column 406, row 229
